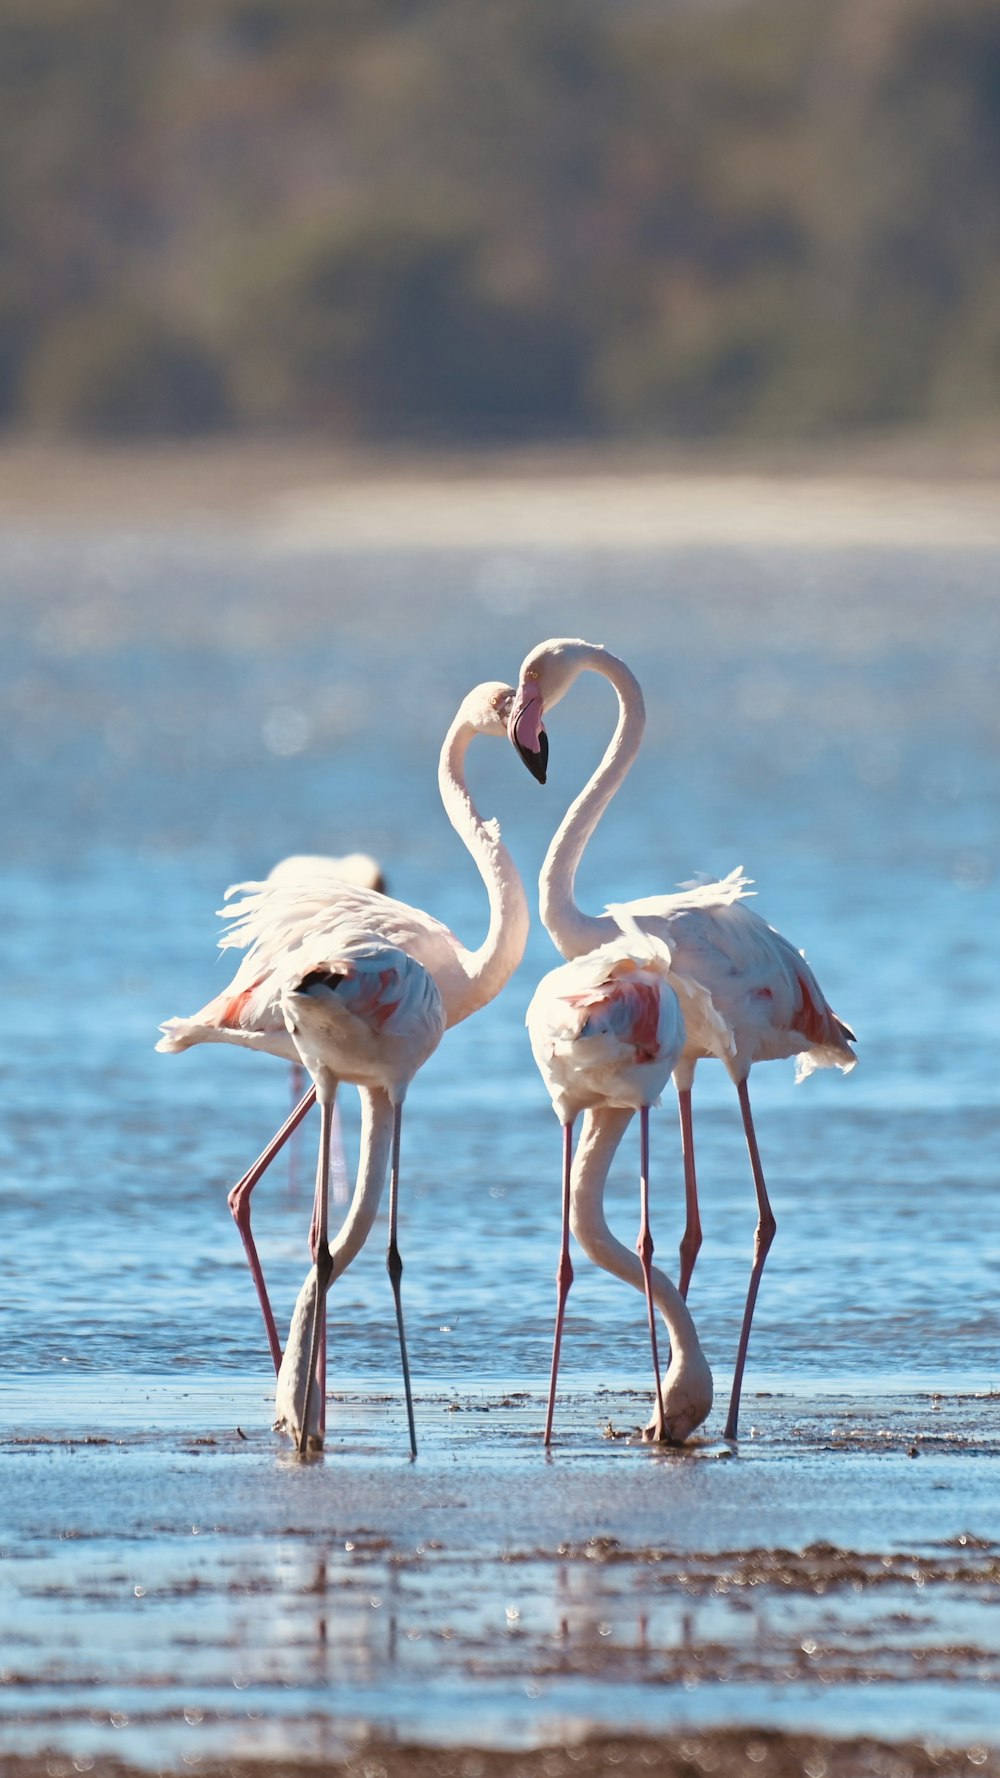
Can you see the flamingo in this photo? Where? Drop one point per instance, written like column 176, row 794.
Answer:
column 361, row 1010
column 606, row 1032
column 270, row 920
column 767, row 1000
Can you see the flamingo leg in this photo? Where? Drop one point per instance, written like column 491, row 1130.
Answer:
column 394, row 1267
column 564, row 1277
column 763, row 1236
column 691, row 1238
column 323, row 1262
column 239, row 1204
column 297, row 1086
column 644, row 1248
column 313, row 1249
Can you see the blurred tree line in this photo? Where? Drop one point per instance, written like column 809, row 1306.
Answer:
column 433, row 220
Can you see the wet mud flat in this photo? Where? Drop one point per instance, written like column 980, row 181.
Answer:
column 178, row 1592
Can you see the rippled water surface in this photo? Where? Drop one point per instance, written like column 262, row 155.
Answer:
column 180, row 711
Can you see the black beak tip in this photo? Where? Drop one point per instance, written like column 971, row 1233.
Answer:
column 537, row 763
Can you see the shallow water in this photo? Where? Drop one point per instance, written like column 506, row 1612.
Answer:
column 181, row 710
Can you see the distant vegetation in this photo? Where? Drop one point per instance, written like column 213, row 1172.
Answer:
column 432, row 220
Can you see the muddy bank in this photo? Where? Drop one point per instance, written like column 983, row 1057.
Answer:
column 756, row 1754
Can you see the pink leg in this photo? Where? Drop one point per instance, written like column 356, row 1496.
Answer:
column 763, row 1236
column 564, row 1277
column 324, row 1267
column 239, row 1204
column 394, row 1267
column 313, row 1248
column 691, row 1239
column 644, row 1248
column 297, row 1086
column 339, row 1189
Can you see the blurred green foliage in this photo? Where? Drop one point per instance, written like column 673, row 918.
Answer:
column 432, row 220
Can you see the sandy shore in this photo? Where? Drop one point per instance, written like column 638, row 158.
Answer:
column 313, row 497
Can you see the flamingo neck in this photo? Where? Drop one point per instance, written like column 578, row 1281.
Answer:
column 486, row 970
column 377, row 1117
column 573, row 932
column 601, row 1131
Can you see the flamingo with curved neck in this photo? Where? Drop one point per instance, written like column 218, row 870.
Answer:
column 761, row 1001
column 272, row 919
column 606, row 1032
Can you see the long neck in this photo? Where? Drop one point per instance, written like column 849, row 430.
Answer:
column 491, row 966
column 373, row 1159
column 601, row 1131
column 571, row 930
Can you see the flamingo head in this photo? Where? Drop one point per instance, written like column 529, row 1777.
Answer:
column 546, row 675
column 487, row 708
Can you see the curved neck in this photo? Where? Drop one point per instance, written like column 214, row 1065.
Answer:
column 573, row 932
column 601, row 1131
column 491, row 966
column 377, row 1117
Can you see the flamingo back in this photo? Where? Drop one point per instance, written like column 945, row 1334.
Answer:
column 606, row 1030
column 760, row 1000
column 364, row 1011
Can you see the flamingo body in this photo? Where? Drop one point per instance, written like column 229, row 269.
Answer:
column 605, row 1029
column 363, row 1010
column 280, row 920
column 766, row 1001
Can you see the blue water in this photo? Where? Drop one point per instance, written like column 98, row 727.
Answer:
column 181, row 710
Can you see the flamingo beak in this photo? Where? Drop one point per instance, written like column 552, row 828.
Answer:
column 526, row 731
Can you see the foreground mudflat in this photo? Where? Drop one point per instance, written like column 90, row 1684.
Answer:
column 179, row 1590
column 735, row 1755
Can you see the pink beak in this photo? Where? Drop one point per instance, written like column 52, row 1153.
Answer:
column 526, row 731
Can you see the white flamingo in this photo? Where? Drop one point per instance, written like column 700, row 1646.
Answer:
column 273, row 919
column 765, row 997
column 360, row 1010
column 607, row 1032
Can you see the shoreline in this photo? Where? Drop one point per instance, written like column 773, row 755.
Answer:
column 311, row 496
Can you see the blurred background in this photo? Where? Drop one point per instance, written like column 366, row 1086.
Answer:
column 425, row 221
